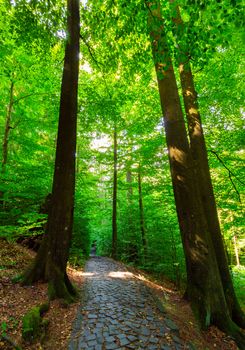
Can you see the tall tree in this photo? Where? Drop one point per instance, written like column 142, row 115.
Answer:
column 199, row 154
column 204, row 286
column 114, row 198
column 51, row 260
column 141, row 210
column 7, row 126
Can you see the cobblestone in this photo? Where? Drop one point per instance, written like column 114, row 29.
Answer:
column 118, row 311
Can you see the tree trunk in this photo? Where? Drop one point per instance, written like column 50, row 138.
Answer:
column 236, row 249
column 51, row 260
column 204, row 288
column 199, row 154
column 176, row 270
column 77, row 160
column 114, row 199
column 129, row 201
column 141, row 209
column 7, row 127
column 130, row 188
column 132, row 249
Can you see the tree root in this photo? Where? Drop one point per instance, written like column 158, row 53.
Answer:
column 33, row 326
column 10, row 341
column 62, row 288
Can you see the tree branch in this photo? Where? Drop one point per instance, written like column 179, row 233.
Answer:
column 230, row 174
column 98, row 64
column 90, row 50
column 32, row 94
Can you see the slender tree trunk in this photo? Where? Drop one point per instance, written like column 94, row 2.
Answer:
column 176, row 270
column 142, row 219
column 204, row 287
column 114, row 199
column 51, row 260
column 132, row 249
column 236, row 251
column 199, row 153
column 130, row 188
column 77, row 160
column 7, row 127
column 129, row 200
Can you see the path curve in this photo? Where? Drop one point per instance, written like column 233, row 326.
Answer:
column 118, row 311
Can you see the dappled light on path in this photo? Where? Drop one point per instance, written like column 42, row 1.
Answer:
column 88, row 274
column 119, row 311
column 120, row 274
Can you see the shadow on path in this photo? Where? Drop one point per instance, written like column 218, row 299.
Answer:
column 118, row 311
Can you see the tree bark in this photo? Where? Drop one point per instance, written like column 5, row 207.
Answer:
column 199, row 154
column 51, row 260
column 114, row 199
column 204, row 287
column 142, row 219
column 7, row 127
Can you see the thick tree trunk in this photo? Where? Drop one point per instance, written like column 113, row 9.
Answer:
column 204, row 287
column 50, row 263
column 7, row 127
column 114, row 198
column 199, row 154
column 142, row 219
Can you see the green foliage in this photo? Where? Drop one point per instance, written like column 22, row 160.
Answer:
column 32, row 324
column 118, row 86
column 238, row 274
column 4, row 328
column 79, row 250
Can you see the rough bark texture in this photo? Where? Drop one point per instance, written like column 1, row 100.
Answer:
column 141, row 209
column 114, row 199
column 51, row 259
column 199, row 154
column 7, row 127
column 204, row 287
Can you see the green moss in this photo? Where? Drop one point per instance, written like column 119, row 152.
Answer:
column 44, row 308
column 32, row 324
column 51, row 291
column 17, row 278
column 58, row 289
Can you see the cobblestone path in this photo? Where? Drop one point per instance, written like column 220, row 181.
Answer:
column 118, row 311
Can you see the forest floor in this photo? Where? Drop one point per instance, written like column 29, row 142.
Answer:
column 16, row 300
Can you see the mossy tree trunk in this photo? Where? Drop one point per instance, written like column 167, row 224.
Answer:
column 199, row 154
column 51, row 260
column 204, row 286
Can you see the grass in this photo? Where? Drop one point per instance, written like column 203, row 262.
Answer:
column 238, row 274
